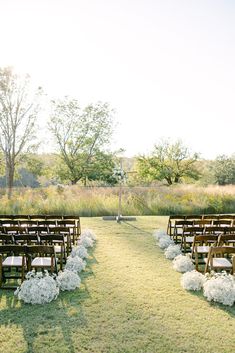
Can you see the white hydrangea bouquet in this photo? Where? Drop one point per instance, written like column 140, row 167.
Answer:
column 165, row 241
column 183, row 263
column 89, row 234
column 75, row 264
column 172, row 251
column 79, row 251
column 159, row 233
column 220, row 287
column 38, row 288
column 193, row 280
column 85, row 241
column 68, row 280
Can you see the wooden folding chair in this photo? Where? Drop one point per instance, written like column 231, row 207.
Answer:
column 65, row 231
column 201, row 246
column 219, row 259
column 226, row 239
column 58, row 241
column 6, row 239
column 171, row 223
column 178, row 229
column 222, row 223
column 12, row 260
column 188, row 237
column 41, row 257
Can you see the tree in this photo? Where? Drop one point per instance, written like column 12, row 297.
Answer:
column 82, row 136
column 170, row 162
column 224, row 170
column 17, row 120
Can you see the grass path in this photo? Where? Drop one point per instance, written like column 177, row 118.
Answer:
column 130, row 301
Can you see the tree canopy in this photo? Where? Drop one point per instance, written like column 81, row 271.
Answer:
column 18, row 112
column 170, row 162
column 82, row 136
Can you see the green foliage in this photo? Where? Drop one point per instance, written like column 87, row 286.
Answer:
column 82, row 136
column 171, row 162
column 224, row 170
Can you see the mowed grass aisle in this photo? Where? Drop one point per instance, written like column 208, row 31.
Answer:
column 130, row 301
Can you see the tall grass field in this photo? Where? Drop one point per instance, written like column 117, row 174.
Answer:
column 100, row 201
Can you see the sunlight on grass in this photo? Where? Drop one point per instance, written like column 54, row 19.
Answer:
column 130, row 301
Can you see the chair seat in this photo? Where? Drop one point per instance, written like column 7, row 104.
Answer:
column 220, row 262
column 189, row 239
column 58, row 249
column 14, row 261
column 203, row 249
column 41, row 262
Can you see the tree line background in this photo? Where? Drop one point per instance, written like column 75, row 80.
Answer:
column 82, row 136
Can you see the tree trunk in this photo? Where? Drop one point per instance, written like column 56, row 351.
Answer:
column 10, row 171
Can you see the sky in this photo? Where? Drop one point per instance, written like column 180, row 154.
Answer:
column 167, row 67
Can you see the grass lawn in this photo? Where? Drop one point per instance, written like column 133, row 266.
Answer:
column 130, row 301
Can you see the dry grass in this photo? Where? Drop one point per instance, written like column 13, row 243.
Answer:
column 161, row 200
column 130, row 301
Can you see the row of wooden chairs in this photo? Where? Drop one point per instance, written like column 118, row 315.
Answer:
column 68, row 232
column 201, row 245
column 199, row 220
column 73, row 222
column 61, row 243
column 24, row 258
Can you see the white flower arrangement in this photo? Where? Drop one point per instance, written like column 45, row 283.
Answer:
column 159, row 233
column 38, row 288
column 89, row 233
column 192, row 280
column 183, row 263
column 86, row 241
column 75, row 264
column 119, row 174
column 165, row 241
column 68, row 280
column 79, row 251
column 220, row 287
column 172, row 251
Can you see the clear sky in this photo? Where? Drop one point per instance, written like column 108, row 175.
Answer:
column 166, row 66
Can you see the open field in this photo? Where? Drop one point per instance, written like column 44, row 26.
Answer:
column 130, row 301
column 98, row 201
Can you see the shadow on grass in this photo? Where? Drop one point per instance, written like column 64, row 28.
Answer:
column 60, row 317
column 228, row 309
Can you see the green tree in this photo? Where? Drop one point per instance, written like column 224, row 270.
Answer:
column 18, row 111
column 224, row 170
column 170, row 162
column 82, row 137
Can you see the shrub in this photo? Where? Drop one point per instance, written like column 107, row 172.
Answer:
column 192, row 280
